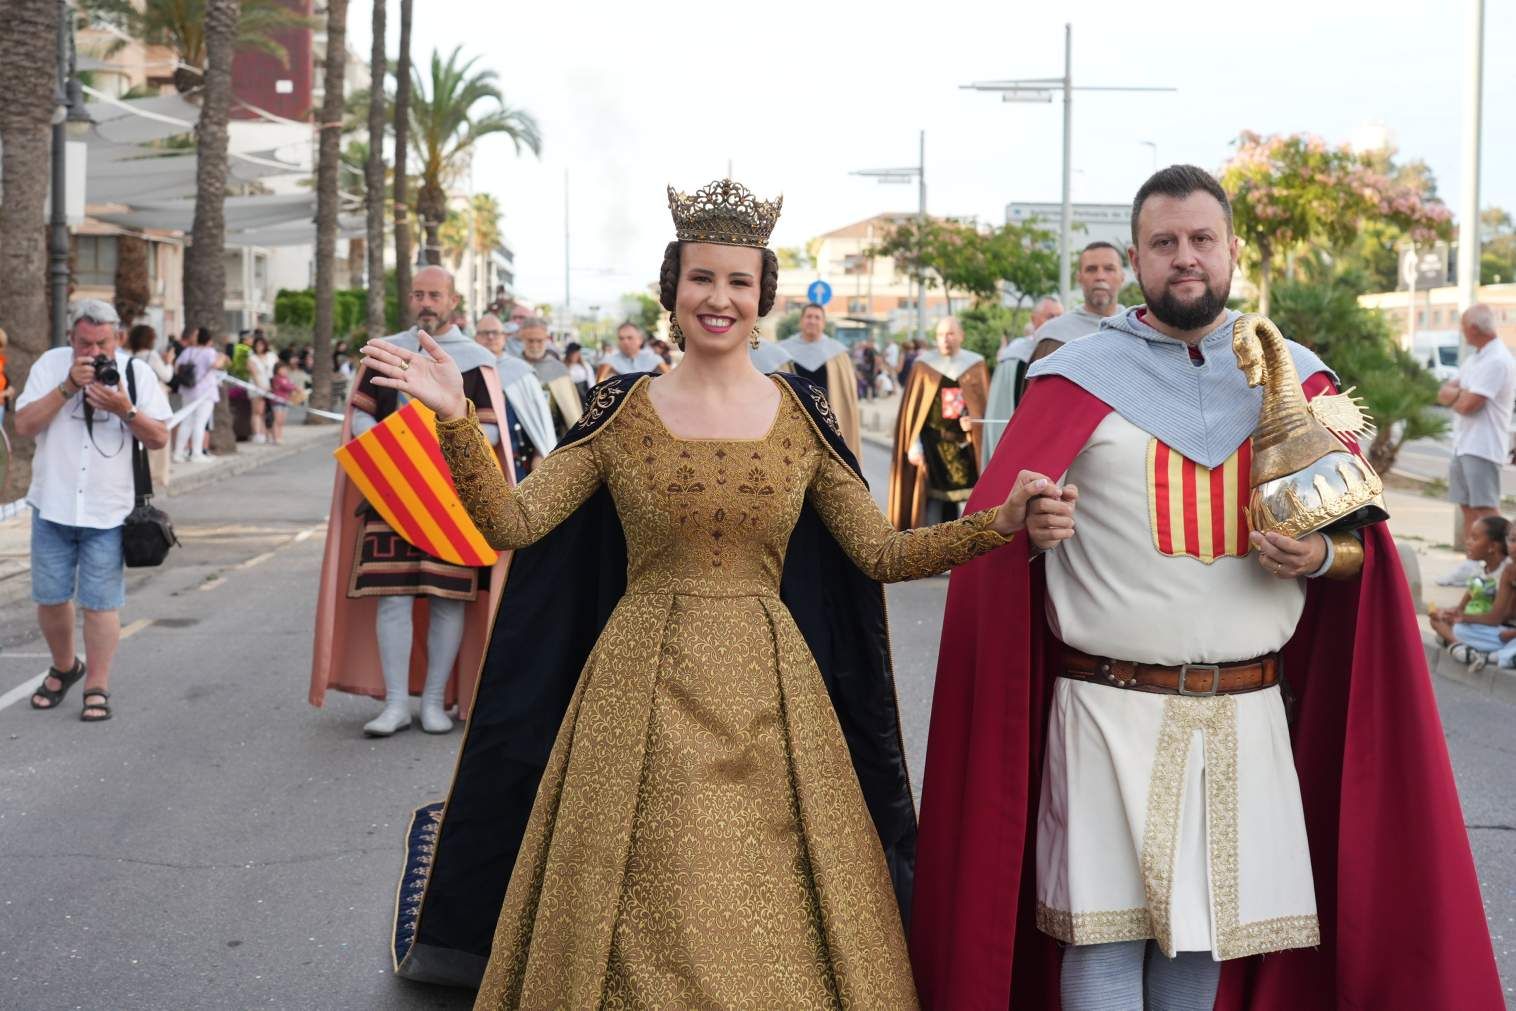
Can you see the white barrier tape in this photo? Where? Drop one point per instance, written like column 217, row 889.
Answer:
column 266, row 395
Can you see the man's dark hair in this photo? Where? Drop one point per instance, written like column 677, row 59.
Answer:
column 814, row 305
column 1102, row 244
column 1179, row 181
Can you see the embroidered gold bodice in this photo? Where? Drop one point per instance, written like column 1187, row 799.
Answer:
column 704, row 516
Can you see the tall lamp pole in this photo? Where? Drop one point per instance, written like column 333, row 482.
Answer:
column 1468, row 229
column 916, row 173
column 1040, row 89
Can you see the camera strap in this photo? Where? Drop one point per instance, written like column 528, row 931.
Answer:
column 142, row 476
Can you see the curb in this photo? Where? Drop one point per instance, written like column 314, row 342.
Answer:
column 1497, row 682
column 240, row 463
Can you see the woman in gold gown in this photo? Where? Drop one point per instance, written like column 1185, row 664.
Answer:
column 698, row 836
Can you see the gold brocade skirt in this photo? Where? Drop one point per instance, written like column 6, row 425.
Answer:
column 699, row 839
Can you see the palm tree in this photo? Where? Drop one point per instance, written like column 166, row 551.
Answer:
column 373, row 172
column 28, row 80
column 182, row 26
column 328, row 167
column 402, row 182
column 447, row 128
column 205, row 265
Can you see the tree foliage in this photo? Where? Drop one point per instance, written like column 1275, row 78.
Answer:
column 1497, row 258
column 642, row 309
column 1357, row 343
column 475, row 226
column 1294, row 193
column 960, row 256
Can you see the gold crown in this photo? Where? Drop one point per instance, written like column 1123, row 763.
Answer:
column 726, row 212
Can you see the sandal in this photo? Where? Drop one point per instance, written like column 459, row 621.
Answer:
column 66, row 681
column 103, row 706
column 1461, row 651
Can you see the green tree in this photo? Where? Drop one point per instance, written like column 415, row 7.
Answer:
column 446, row 123
column 1357, row 343
column 987, row 324
column 1025, row 257
column 1288, row 191
column 181, row 25
column 475, row 226
column 642, row 309
column 1497, row 258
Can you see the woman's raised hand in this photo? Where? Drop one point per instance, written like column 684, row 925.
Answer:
column 429, row 375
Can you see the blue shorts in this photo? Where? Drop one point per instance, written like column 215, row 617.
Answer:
column 64, row 557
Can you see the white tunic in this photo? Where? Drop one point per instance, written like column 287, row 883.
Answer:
column 1164, row 816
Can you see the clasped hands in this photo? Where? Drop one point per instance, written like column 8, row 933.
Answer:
column 1041, row 507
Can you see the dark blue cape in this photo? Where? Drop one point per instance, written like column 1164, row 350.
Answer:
column 558, row 596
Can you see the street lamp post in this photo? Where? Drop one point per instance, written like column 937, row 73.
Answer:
column 69, row 117
column 1468, row 228
column 1040, row 89
column 905, row 175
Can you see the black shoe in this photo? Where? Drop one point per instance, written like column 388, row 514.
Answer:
column 65, row 680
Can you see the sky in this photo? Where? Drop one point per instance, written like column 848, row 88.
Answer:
column 631, row 97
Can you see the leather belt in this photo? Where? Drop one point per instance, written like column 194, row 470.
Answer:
column 1194, row 679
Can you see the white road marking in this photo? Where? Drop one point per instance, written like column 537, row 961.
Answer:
column 211, row 584
column 135, row 627
column 255, row 560
column 24, row 690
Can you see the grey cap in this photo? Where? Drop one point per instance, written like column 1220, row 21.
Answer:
column 94, row 310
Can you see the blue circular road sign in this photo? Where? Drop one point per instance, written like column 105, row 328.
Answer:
column 819, row 292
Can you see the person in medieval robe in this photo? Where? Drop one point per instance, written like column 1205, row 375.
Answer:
column 826, row 362
column 1116, row 812
column 769, row 357
column 631, row 355
column 1009, row 380
column 528, row 427
column 938, row 445
column 562, row 395
column 1101, row 275
column 378, row 591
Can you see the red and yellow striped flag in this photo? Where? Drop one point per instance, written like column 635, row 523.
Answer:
column 1199, row 511
column 398, row 466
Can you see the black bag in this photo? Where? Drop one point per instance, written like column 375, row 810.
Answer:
column 184, row 377
column 147, row 534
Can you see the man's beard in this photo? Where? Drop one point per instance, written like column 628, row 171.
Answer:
column 1100, row 299
column 1190, row 315
column 427, row 320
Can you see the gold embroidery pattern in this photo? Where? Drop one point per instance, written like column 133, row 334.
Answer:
column 824, row 408
column 602, row 399
column 1216, row 719
column 1101, row 927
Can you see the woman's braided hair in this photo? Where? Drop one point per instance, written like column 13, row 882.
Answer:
column 668, row 279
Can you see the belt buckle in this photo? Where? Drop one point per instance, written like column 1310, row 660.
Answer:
column 1184, row 670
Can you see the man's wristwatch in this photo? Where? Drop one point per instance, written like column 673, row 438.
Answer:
column 130, row 414
column 64, row 390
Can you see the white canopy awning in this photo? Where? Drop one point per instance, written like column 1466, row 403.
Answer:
column 141, row 120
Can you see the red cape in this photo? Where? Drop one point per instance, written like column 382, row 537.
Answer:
column 1402, row 924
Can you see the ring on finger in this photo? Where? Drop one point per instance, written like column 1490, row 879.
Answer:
column 404, row 364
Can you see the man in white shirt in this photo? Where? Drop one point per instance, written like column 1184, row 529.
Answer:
column 1481, row 397
column 84, row 421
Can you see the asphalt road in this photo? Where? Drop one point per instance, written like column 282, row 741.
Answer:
column 221, row 844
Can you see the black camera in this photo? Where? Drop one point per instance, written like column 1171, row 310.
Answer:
column 106, row 371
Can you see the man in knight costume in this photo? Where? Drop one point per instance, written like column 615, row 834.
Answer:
column 937, row 446
column 379, row 592
column 631, row 355
column 1009, row 380
column 824, row 360
column 1123, row 802
column 558, row 386
column 528, row 418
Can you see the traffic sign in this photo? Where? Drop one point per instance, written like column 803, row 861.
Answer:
column 819, row 292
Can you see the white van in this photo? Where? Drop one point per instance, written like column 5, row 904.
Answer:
column 1437, row 351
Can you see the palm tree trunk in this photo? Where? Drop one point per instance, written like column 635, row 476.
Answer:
column 28, row 80
column 327, row 169
column 402, row 140
column 373, row 174
column 204, row 261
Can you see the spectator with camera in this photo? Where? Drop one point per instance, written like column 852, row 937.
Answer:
column 77, row 407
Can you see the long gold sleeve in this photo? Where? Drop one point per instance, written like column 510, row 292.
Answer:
column 513, row 518
column 887, row 554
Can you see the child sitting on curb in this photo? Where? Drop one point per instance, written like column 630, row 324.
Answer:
column 1476, row 627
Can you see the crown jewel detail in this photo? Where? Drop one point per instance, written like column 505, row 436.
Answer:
column 725, row 212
